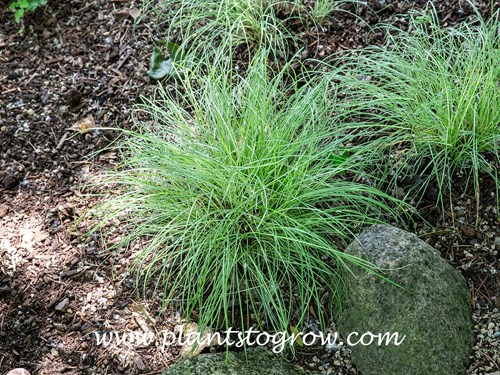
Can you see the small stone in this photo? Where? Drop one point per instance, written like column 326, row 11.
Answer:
column 63, row 305
column 18, row 371
column 30, row 112
column 73, row 98
column 10, row 182
column 54, row 352
column 468, row 230
column 497, row 243
column 336, row 362
column 3, row 210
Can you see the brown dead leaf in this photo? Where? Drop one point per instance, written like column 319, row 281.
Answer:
column 126, row 12
column 84, row 125
column 108, row 156
column 40, row 236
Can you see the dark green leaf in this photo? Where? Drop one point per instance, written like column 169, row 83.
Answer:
column 158, row 66
column 176, row 53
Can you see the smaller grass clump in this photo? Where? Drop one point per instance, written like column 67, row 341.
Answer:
column 321, row 10
column 210, row 29
column 204, row 26
column 435, row 92
column 244, row 200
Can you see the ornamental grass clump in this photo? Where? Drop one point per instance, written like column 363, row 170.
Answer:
column 210, row 29
column 206, row 27
column 244, row 200
column 435, row 92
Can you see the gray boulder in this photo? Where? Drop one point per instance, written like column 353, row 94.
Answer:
column 433, row 309
column 256, row 362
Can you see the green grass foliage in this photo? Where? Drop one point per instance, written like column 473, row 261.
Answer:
column 435, row 94
column 244, row 199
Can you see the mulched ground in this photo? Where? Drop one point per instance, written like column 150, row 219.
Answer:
column 84, row 61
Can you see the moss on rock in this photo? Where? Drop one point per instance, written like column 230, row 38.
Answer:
column 433, row 307
column 255, row 362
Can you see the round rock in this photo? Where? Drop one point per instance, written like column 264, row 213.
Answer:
column 431, row 308
column 256, row 362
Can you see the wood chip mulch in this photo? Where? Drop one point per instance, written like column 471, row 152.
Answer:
column 84, row 62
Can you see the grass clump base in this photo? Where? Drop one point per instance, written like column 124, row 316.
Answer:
column 242, row 199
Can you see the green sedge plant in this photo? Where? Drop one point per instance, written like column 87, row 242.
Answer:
column 432, row 96
column 202, row 26
column 244, row 200
column 208, row 28
column 321, row 10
